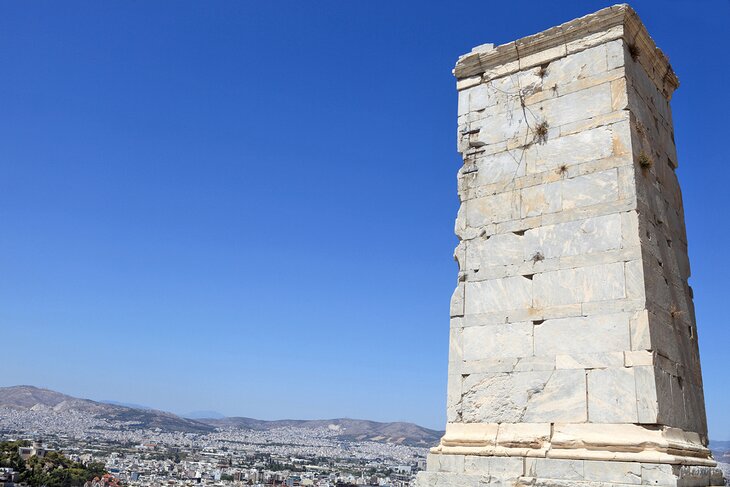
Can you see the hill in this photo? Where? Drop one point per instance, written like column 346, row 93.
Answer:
column 38, row 399
column 126, row 417
column 347, row 429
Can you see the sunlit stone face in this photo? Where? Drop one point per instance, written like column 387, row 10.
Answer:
column 572, row 324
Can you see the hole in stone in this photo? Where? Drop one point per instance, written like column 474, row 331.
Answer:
column 538, row 322
column 660, row 263
column 691, row 332
column 633, row 51
column 528, row 276
column 476, row 270
column 669, row 243
column 519, row 233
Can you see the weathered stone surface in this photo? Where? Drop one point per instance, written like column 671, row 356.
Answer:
column 617, row 472
column 612, row 396
column 501, row 249
column 577, row 237
column 582, row 360
column 563, row 399
column 578, row 335
column 498, row 341
column 551, row 468
column 579, row 285
column 553, row 472
column 573, row 358
column 498, row 294
column 570, row 150
column 500, row 398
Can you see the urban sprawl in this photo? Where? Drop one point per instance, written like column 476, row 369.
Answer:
column 150, row 457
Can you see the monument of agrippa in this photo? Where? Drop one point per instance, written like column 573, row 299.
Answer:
column 573, row 346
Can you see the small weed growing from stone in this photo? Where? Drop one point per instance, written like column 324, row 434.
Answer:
column 563, row 170
column 542, row 72
column 674, row 311
column 541, row 131
column 538, row 257
column 644, row 160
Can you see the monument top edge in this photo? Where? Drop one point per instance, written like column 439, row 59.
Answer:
column 614, row 22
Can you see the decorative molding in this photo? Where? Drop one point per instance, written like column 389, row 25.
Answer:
column 617, row 22
column 583, row 441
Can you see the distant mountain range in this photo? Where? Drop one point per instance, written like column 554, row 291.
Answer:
column 30, row 397
column 203, row 414
column 37, row 399
column 348, row 429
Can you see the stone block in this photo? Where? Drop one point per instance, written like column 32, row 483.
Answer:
column 647, row 401
column 595, row 360
column 447, row 463
column 570, row 150
column 639, row 324
column 591, row 189
column 498, row 294
column 554, row 468
column 545, row 198
column 576, row 106
column 501, row 167
column 615, row 53
column 658, row 474
column 563, row 399
column 583, row 64
column 500, row 398
column 584, row 335
column 612, row 396
column 500, row 127
column 457, row 301
column 619, row 472
column 579, row 285
column 598, row 234
column 475, row 464
column 492, row 209
column 498, row 341
column 501, row 249
column 506, row 468
column 634, row 272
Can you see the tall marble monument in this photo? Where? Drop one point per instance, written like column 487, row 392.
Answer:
column 573, row 348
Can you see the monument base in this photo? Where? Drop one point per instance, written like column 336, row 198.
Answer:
column 445, row 470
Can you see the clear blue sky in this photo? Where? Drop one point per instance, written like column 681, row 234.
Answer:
column 248, row 206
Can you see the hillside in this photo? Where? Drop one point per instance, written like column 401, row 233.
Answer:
column 118, row 416
column 37, row 399
column 348, row 429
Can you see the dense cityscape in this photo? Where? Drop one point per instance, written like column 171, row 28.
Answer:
column 152, row 457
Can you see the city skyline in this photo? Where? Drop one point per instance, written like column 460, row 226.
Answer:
column 249, row 209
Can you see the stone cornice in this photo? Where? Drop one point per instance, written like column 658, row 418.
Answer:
column 616, row 22
column 585, row 441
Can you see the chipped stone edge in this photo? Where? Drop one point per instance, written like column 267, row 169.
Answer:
column 584, row 441
column 611, row 23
